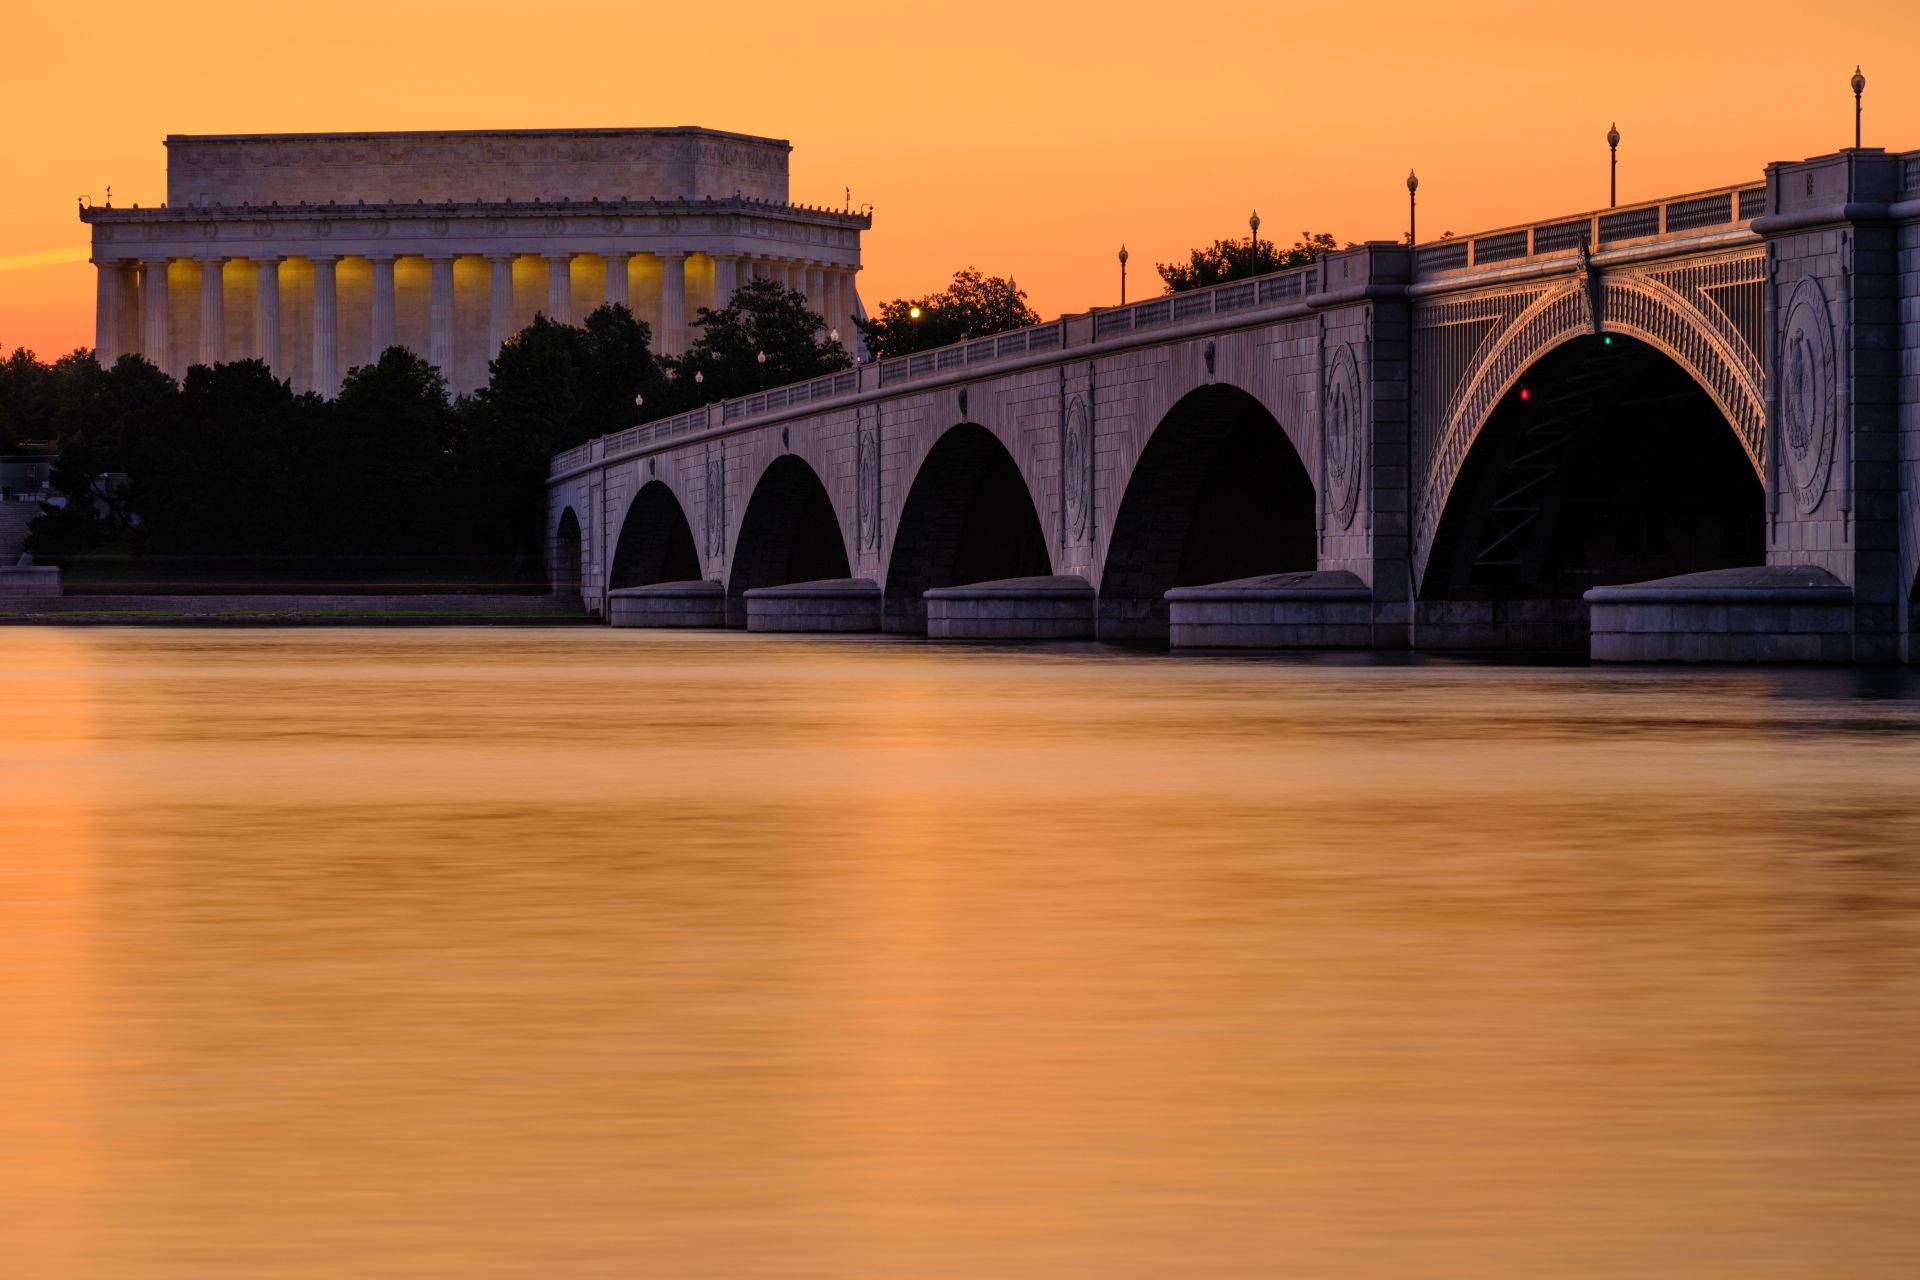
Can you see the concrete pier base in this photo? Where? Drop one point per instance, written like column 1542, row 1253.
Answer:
column 830, row 604
column 1316, row 610
column 699, row 603
column 29, row 580
column 1512, row 626
column 1049, row 608
column 1771, row 613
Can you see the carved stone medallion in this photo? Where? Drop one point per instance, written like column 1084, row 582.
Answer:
column 1076, row 473
column 1808, row 394
column 1344, row 419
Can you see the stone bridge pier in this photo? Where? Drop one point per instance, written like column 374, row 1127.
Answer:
column 1684, row 430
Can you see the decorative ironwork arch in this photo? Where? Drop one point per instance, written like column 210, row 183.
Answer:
column 1671, row 312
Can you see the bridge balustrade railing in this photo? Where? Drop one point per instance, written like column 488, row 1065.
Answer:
column 1602, row 228
column 1910, row 174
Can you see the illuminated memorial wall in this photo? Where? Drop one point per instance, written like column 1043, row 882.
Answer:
column 317, row 251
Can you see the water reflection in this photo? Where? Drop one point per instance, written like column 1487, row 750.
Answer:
column 492, row 954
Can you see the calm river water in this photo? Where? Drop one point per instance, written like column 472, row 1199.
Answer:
column 365, row 954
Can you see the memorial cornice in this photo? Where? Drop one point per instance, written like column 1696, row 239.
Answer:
column 735, row 225
column 305, row 212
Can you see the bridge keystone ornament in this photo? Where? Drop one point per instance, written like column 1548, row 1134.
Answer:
column 1343, row 426
column 1807, row 395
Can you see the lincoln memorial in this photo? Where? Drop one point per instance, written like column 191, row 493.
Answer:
column 317, row 251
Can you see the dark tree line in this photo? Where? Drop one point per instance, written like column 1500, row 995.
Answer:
column 1225, row 260
column 231, row 467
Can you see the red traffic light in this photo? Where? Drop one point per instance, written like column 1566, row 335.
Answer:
column 1526, row 393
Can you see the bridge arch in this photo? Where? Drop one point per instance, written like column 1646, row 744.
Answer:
column 1217, row 492
column 1607, row 461
column 564, row 554
column 789, row 532
column 656, row 541
column 969, row 516
column 1704, row 318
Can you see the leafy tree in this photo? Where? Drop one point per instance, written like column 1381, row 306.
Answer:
column 102, row 414
column 568, row 384
column 1225, row 260
column 619, row 365
column 209, row 471
column 973, row 306
column 764, row 317
column 388, row 436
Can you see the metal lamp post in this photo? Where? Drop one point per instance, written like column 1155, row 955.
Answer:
column 1859, row 87
column 1413, row 185
column 760, row 357
column 1253, row 225
column 1123, row 275
column 1613, row 166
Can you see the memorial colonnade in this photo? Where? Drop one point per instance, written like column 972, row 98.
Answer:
column 311, row 314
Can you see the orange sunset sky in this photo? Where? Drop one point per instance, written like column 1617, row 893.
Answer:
column 1028, row 139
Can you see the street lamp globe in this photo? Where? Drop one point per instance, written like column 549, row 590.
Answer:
column 1613, row 135
column 760, row 356
column 913, row 313
column 834, row 334
column 1859, row 81
column 1123, row 255
column 1413, row 183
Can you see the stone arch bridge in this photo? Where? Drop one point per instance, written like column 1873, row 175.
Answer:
column 1686, row 429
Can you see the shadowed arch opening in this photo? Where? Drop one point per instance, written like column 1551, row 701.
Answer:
column 789, row 534
column 1605, row 463
column 968, row 518
column 1219, row 493
column 656, row 542
column 566, row 555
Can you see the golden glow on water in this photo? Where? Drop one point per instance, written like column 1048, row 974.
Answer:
column 491, row 954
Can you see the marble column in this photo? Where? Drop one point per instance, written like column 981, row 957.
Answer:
column 153, row 320
column 213, row 312
column 835, row 311
column 725, row 279
column 500, row 303
column 108, row 283
column 616, row 277
column 847, row 295
column 380, row 321
column 560, row 288
column 326, row 328
column 266, row 312
column 816, row 292
column 672, row 338
column 440, row 317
